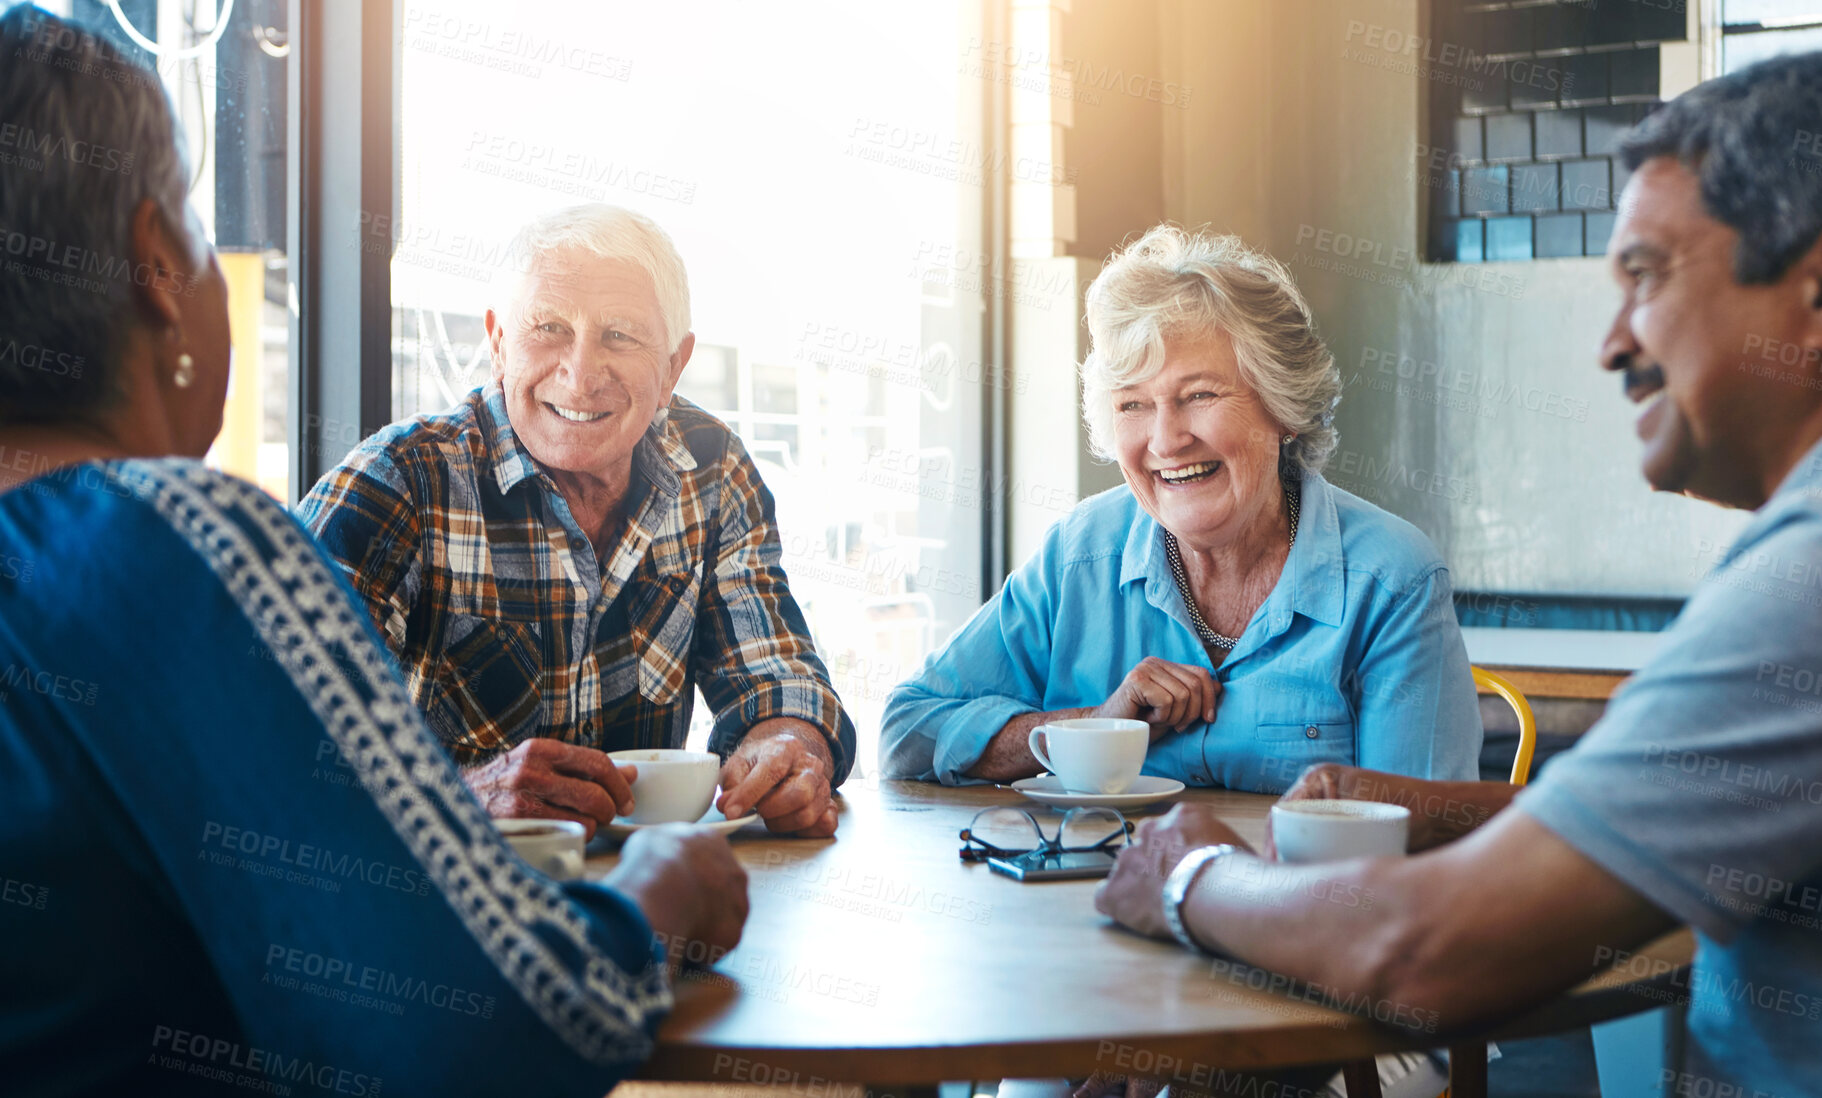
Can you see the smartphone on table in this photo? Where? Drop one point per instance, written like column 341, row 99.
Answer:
column 1043, row 865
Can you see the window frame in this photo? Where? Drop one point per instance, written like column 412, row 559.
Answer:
column 343, row 131
column 1717, row 31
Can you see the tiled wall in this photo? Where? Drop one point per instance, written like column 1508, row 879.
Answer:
column 1521, row 162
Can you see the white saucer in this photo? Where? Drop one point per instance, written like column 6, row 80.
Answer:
column 713, row 820
column 1145, row 790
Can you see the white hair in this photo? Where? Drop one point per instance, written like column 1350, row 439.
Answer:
column 613, row 232
column 1172, row 285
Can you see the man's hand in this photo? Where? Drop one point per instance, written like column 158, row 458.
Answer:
column 1133, row 894
column 1168, row 696
column 552, row 780
column 783, row 768
column 690, row 887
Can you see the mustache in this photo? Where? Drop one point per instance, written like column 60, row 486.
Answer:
column 1648, row 377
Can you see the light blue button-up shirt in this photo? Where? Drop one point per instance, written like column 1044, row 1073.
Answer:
column 1355, row 657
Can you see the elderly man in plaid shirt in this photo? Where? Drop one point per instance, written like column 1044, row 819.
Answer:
column 562, row 558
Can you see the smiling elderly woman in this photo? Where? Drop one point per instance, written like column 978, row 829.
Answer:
column 1257, row 617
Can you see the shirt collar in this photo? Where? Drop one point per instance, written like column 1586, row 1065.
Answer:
column 1804, row 478
column 1313, row 578
column 660, row 455
column 1316, row 568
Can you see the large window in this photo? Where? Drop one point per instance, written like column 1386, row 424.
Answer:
column 820, row 169
column 1752, row 30
column 224, row 64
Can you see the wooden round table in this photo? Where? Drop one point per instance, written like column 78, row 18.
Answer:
column 880, row 957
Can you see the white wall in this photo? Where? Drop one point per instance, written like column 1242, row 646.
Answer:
column 1503, row 439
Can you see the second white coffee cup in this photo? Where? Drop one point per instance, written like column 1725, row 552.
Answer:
column 552, row 847
column 1333, row 831
column 1092, row 754
column 673, row 786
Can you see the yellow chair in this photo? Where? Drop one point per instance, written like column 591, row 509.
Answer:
column 1472, row 1055
column 1362, row 1077
column 1486, row 682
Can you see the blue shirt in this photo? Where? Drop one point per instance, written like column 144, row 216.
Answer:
column 1701, row 788
column 1355, row 656
column 232, row 856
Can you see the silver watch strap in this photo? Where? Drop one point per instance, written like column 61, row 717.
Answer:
column 1178, row 884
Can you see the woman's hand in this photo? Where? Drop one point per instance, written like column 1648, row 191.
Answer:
column 1321, row 782
column 690, row 886
column 1168, row 696
column 1132, row 895
column 1440, row 811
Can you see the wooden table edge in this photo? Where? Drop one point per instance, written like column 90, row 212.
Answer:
column 1343, row 1037
column 1183, row 1056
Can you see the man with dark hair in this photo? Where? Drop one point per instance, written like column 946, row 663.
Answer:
column 1698, row 797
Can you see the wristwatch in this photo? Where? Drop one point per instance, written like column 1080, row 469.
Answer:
column 1178, row 884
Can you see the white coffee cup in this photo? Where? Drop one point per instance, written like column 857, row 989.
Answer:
column 1092, row 754
column 673, row 786
column 1333, row 831
column 552, row 847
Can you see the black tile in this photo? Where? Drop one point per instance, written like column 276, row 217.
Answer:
column 1484, row 190
column 1565, row 26
column 1508, row 137
column 1534, row 188
column 1600, row 227
column 1483, row 91
column 1535, row 82
column 1467, row 139
column 1559, row 133
column 1508, row 238
column 1585, row 77
column 1477, row 30
column 1605, row 125
column 1587, row 185
column 1658, row 21
column 1558, row 235
column 1509, row 31
column 1635, row 72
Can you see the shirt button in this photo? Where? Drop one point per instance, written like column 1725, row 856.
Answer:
column 1312, row 731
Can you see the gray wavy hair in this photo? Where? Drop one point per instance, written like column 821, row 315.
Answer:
column 1174, row 285
column 91, row 135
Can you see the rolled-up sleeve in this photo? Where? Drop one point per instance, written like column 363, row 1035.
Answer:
column 753, row 654
column 362, row 513
column 937, row 724
column 1418, row 714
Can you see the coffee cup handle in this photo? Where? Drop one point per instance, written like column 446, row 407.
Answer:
column 566, row 865
column 1037, row 752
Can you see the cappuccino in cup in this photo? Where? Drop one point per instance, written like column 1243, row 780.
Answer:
column 1333, row 831
column 552, row 847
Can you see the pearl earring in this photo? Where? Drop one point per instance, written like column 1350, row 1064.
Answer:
column 185, row 373
column 1288, row 439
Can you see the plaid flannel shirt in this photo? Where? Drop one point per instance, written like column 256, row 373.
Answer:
column 505, row 624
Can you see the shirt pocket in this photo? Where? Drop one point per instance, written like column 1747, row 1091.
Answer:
column 661, row 618
column 488, row 697
column 1286, row 748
